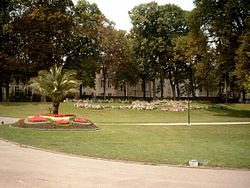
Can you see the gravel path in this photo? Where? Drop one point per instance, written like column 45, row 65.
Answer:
column 208, row 123
column 24, row 167
column 8, row 120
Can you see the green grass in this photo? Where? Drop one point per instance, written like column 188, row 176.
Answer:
column 235, row 112
column 220, row 145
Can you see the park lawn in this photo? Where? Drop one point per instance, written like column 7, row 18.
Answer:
column 233, row 113
column 220, row 145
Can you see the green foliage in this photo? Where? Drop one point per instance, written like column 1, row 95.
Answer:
column 85, row 47
column 40, row 32
column 224, row 22
column 209, row 45
column 154, row 28
column 8, row 65
column 247, row 83
column 194, row 51
column 56, row 83
column 126, row 70
column 243, row 60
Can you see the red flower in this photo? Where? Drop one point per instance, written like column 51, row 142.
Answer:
column 21, row 119
column 62, row 121
column 82, row 120
column 37, row 119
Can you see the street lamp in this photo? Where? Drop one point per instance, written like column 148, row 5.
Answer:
column 188, row 118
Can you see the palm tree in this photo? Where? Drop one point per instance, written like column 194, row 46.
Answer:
column 56, row 84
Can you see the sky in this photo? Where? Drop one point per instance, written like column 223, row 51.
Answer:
column 117, row 10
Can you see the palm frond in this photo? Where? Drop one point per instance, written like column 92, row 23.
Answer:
column 55, row 83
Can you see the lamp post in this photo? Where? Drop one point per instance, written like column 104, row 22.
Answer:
column 188, row 118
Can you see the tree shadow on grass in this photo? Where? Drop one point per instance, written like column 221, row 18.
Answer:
column 230, row 112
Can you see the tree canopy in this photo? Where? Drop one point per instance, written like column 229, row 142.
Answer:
column 208, row 46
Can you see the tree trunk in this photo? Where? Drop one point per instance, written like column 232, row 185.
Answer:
column 192, row 83
column 162, row 86
column 220, row 90
column 55, row 107
column 207, row 93
column 172, row 84
column 154, row 90
column 173, row 89
column 7, row 89
column 104, row 84
column 80, row 91
column 244, row 96
column 1, row 93
column 124, row 89
column 226, row 91
column 144, row 88
column 178, row 90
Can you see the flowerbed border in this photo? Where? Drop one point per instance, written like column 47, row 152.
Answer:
column 86, row 129
column 53, row 121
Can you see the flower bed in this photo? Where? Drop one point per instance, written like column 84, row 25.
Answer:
column 164, row 105
column 137, row 105
column 51, row 121
column 178, row 106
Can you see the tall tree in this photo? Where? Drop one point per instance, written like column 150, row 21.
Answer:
column 42, row 30
column 224, row 21
column 7, row 55
column 247, row 83
column 243, row 62
column 111, row 51
column 125, row 69
column 84, row 51
column 193, row 50
column 154, row 28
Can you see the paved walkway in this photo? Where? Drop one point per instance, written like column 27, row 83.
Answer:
column 8, row 120
column 23, row 167
column 208, row 123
